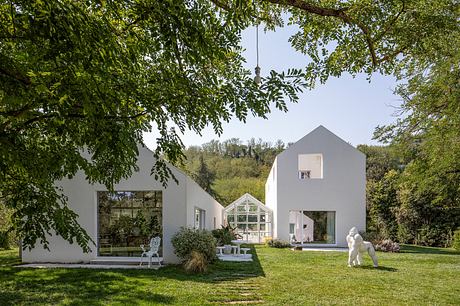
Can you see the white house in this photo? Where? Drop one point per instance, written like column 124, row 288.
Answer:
column 140, row 208
column 316, row 190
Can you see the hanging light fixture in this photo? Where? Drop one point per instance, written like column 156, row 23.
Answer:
column 257, row 78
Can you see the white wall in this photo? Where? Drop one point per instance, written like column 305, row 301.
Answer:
column 198, row 198
column 82, row 198
column 342, row 188
column 271, row 187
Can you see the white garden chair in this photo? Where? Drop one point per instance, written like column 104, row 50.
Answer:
column 153, row 250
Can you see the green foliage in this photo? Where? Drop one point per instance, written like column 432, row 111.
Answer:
column 456, row 240
column 204, row 177
column 95, row 75
column 7, row 236
column 383, row 204
column 197, row 263
column 5, row 240
column 238, row 168
column 81, row 82
column 187, row 240
column 279, row 244
column 428, row 133
column 224, row 235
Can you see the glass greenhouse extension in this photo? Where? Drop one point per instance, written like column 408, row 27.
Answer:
column 251, row 218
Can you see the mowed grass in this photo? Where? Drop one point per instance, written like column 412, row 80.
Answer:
column 417, row 276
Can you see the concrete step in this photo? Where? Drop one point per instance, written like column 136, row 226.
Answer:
column 107, row 260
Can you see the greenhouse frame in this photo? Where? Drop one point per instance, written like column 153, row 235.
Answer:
column 251, row 218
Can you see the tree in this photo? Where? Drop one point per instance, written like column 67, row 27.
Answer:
column 80, row 82
column 93, row 75
column 383, row 205
column 204, row 177
column 429, row 132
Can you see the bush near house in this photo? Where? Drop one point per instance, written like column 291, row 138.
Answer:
column 276, row 243
column 224, row 235
column 188, row 241
column 388, row 246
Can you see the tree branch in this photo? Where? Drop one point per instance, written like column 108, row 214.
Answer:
column 16, row 76
column 329, row 12
column 390, row 24
column 391, row 55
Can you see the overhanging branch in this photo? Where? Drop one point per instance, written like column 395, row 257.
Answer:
column 330, row 12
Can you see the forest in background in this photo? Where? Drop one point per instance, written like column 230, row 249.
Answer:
column 399, row 206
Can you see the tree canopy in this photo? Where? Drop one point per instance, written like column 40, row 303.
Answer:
column 93, row 75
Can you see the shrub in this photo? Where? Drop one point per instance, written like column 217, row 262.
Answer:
column 276, row 243
column 373, row 237
column 4, row 240
column 196, row 263
column 456, row 240
column 432, row 235
column 187, row 240
column 224, row 235
column 387, row 246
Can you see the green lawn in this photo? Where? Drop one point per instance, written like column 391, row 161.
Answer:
column 418, row 276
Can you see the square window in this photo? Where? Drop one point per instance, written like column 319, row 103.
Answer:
column 304, row 174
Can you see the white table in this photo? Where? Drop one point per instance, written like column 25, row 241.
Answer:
column 238, row 244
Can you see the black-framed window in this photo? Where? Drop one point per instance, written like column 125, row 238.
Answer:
column 127, row 219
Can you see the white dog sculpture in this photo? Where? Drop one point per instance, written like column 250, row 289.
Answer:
column 357, row 246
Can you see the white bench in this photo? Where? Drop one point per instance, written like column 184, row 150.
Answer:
column 221, row 249
column 245, row 250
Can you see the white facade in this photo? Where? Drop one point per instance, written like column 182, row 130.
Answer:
column 179, row 203
column 323, row 176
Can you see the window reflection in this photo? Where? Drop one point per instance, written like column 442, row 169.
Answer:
column 127, row 219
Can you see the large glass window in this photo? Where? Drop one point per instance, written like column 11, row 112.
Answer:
column 312, row 227
column 127, row 219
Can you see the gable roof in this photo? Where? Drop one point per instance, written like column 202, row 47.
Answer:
column 325, row 131
column 247, row 197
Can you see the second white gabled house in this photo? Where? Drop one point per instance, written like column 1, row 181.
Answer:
column 316, row 190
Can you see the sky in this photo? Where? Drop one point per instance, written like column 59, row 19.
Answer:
column 349, row 107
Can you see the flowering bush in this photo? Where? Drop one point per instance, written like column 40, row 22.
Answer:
column 387, row 246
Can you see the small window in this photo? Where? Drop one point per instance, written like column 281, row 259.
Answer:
column 310, row 166
column 291, row 228
column 200, row 216
column 304, row 174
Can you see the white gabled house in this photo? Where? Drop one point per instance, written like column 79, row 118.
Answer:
column 316, row 189
column 139, row 209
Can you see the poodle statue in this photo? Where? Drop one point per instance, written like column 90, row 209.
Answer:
column 357, row 246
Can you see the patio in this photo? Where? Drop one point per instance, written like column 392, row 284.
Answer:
column 237, row 258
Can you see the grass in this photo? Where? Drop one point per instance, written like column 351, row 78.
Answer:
column 417, row 276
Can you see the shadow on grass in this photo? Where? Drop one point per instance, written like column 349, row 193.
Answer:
column 379, row 268
column 9, row 257
column 96, row 287
column 80, row 286
column 409, row 248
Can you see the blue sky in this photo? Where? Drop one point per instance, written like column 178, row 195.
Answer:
column 349, row 107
